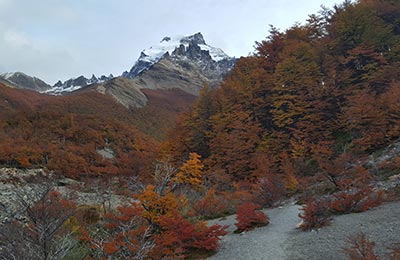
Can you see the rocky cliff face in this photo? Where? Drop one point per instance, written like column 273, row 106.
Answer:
column 23, row 81
column 190, row 54
column 178, row 72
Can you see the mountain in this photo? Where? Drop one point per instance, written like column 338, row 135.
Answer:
column 23, row 81
column 75, row 83
column 183, row 62
column 186, row 63
column 189, row 48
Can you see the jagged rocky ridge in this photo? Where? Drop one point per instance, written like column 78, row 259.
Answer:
column 76, row 83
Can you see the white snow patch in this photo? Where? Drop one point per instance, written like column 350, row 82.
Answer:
column 61, row 89
column 215, row 53
column 7, row 75
column 169, row 44
column 155, row 53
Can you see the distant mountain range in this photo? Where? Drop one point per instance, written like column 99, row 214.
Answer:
column 184, row 62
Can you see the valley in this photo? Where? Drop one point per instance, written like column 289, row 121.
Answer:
column 291, row 152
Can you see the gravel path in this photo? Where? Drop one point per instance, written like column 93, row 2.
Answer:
column 281, row 240
column 262, row 243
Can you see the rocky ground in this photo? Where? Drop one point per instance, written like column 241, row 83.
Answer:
column 28, row 183
column 281, row 240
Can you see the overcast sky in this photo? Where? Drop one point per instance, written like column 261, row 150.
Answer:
column 60, row 39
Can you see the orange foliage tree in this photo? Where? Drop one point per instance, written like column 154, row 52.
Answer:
column 191, row 172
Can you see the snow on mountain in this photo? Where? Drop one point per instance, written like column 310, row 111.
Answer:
column 209, row 61
column 178, row 45
column 75, row 83
column 168, row 44
column 215, row 53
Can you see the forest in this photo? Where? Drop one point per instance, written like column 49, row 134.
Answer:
column 300, row 117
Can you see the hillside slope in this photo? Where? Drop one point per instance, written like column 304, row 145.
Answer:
column 66, row 134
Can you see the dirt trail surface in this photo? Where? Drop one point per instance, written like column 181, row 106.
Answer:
column 281, row 240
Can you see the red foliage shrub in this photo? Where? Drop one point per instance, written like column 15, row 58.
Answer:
column 360, row 248
column 249, row 216
column 269, row 190
column 180, row 237
column 355, row 201
column 210, row 206
column 315, row 215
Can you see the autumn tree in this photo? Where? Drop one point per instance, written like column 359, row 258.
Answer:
column 158, row 204
column 233, row 145
column 191, row 172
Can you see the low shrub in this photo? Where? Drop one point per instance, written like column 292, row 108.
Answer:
column 210, row 206
column 180, row 235
column 249, row 216
column 355, row 201
column 360, row 248
column 315, row 215
column 269, row 190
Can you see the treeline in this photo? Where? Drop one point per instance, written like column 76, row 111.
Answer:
column 307, row 102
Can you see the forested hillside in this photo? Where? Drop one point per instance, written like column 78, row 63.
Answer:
column 310, row 100
column 65, row 134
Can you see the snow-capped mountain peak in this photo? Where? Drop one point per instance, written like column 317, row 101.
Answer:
column 168, row 44
column 178, row 45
